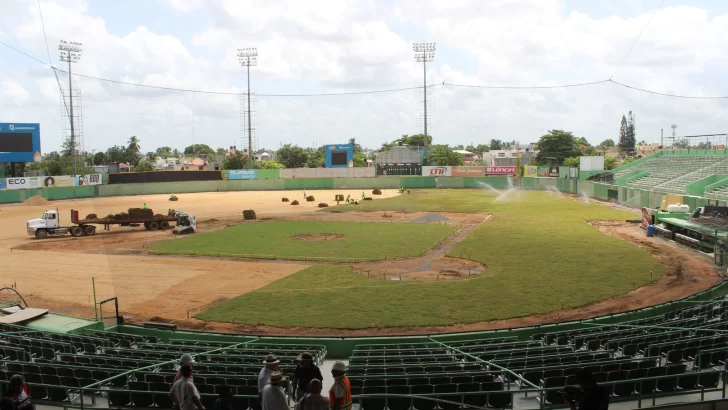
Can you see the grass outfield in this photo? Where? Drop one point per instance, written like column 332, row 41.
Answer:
column 364, row 241
column 541, row 256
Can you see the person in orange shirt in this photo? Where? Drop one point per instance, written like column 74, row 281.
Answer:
column 340, row 392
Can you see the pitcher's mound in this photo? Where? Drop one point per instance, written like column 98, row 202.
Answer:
column 431, row 217
column 35, row 200
column 318, row 236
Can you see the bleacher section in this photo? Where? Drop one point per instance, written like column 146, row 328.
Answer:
column 681, row 352
column 672, row 174
column 135, row 371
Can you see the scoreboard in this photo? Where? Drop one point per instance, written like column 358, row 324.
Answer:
column 19, row 142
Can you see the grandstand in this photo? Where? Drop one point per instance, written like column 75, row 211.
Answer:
column 668, row 353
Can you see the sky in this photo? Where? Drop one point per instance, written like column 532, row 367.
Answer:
column 341, row 46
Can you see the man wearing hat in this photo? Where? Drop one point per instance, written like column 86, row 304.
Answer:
column 340, row 392
column 185, row 359
column 272, row 364
column 272, row 396
column 304, row 373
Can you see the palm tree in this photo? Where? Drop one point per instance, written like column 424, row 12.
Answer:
column 133, row 145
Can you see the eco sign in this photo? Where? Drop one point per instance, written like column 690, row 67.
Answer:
column 60, row 181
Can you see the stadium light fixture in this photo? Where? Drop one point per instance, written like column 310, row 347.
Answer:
column 424, row 53
column 249, row 57
column 71, row 53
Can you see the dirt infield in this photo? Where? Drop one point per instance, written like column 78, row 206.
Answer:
column 56, row 273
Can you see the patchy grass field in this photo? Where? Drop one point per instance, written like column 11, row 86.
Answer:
column 540, row 252
column 312, row 240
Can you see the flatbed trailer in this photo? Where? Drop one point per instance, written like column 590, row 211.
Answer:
column 49, row 224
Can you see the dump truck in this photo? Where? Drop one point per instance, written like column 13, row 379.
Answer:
column 49, row 223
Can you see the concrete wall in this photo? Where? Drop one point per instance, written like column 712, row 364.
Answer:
column 289, row 173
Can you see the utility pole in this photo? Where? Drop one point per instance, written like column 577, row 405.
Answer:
column 248, row 57
column 71, row 53
column 424, row 52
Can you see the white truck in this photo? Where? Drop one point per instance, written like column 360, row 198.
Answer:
column 49, row 224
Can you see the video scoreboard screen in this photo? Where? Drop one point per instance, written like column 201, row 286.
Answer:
column 19, row 142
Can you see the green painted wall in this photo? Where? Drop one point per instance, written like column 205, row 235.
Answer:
column 269, row 173
column 699, row 187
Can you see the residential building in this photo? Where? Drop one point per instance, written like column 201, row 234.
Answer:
column 468, row 157
column 503, row 157
column 644, row 148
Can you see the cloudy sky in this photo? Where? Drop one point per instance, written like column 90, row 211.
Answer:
column 336, row 46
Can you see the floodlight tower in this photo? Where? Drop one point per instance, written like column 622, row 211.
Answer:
column 424, row 52
column 71, row 53
column 249, row 57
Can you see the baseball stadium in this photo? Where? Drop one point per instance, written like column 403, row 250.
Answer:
column 547, row 272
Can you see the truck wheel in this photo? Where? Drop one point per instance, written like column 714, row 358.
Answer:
column 89, row 230
column 153, row 226
column 76, row 231
column 41, row 234
column 146, row 225
column 164, row 225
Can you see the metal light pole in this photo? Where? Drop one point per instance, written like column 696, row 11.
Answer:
column 248, row 57
column 424, row 52
column 71, row 53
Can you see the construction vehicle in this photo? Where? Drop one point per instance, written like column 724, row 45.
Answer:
column 186, row 224
column 49, row 223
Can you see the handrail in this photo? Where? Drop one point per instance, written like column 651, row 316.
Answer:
column 519, row 377
column 664, row 327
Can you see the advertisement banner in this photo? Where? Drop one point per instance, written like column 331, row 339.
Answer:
column 85, row 180
column 573, row 172
column 467, row 171
column 430, row 171
column 530, row 171
column 60, row 181
column 504, row 170
column 237, row 174
column 646, row 218
column 554, row 171
column 542, row 171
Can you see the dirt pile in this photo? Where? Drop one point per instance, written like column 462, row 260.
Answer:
column 35, row 201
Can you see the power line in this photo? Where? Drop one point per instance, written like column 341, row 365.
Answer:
column 48, row 51
column 668, row 95
column 637, row 39
column 26, row 54
column 526, row 87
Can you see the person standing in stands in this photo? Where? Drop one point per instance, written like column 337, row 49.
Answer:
column 272, row 396
column 313, row 399
column 184, row 394
column 272, row 364
column 588, row 395
column 7, row 403
column 304, row 373
column 225, row 399
column 19, row 392
column 185, row 359
column 340, row 392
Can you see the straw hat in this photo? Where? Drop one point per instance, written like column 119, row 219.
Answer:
column 339, row 366
column 186, row 358
column 276, row 377
column 271, row 359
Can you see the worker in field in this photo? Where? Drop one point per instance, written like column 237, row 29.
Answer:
column 348, row 198
column 363, row 195
column 304, row 373
column 145, row 206
column 304, row 194
column 340, row 392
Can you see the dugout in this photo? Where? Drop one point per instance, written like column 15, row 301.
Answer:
column 399, row 160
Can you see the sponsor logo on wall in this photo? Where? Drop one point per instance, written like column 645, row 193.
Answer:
column 530, row 171
column 432, row 171
column 646, row 218
column 468, row 171
column 238, row 174
column 504, row 170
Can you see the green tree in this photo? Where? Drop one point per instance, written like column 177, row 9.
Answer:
column 221, row 151
column 704, row 145
column 133, row 146
column 269, row 164
column 442, row 155
column 478, row 149
column 199, row 149
column 610, row 163
column 164, row 152
column 607, row 143
column 496, row 144
column 360, row 160
column 144, row 166
column 584, row 148
column 357, row 147
column 627, row 139
column 555, row 147
column 572, row 162
column 682, row 143
column 316, row 158
column 414, row 141
column 99, row 158
column 151, row 156
column 235, row 161
column 627, row 161
column 292, row 156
